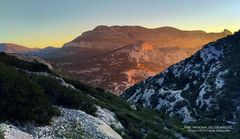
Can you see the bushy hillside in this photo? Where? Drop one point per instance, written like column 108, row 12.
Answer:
column 35, row 95
column 30, row 66
column 22, row 99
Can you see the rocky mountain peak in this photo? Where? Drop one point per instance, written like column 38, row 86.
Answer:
column 118, row 28
column 227, row 32
column 100, row 28
column 139, row 46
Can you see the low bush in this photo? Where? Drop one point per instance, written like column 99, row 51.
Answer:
column 22, row 100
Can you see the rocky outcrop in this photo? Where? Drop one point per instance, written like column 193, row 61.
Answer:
column 12, row 132
column 71, row 124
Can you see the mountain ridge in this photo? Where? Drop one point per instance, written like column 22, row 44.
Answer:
column 101, row 36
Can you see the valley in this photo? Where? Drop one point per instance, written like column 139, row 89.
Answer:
column 116, row 57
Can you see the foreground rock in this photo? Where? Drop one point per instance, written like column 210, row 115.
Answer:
column 71, row 124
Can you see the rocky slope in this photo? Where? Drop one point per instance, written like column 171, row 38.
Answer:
column 14, row 48
column 72, row 124
column 204, row 86
column 115, row 57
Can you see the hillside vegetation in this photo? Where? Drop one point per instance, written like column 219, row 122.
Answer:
column 29, row 93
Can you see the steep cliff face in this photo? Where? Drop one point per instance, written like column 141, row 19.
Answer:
column 204, row 86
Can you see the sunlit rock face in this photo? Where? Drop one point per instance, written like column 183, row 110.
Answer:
column 122, row 68
column 116, row 57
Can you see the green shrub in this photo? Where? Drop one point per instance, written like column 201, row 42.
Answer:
column 22, row 100
column 65, row 97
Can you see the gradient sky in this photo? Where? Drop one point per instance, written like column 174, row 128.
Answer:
column 42, row 23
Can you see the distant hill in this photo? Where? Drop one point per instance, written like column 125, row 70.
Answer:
column 44, row 52
column 15, row 48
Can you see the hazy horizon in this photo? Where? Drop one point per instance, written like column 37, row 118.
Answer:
column 52, row 23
